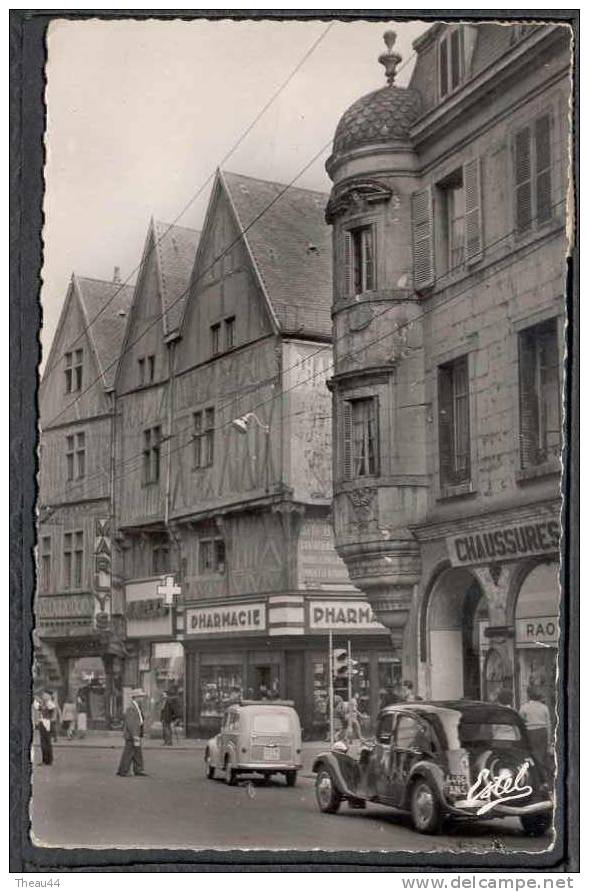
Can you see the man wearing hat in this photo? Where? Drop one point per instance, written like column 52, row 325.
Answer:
column 133, row 734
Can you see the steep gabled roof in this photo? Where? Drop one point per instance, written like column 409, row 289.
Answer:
column 290, row 245
column 176, row 250
column 112, row 301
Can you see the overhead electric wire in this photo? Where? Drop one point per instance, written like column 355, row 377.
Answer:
column 427, row 311
column 199, row 191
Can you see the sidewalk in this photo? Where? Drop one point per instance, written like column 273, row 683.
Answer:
column 113, row 740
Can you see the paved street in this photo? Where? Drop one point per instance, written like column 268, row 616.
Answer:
column 80, row 802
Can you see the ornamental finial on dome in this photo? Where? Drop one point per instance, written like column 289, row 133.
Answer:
column 390, row 60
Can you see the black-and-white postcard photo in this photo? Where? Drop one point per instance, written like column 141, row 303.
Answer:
column 300, row 559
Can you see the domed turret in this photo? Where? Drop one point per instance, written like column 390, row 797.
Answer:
column 383, row 116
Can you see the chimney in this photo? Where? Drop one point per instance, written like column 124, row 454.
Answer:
column 116, row 276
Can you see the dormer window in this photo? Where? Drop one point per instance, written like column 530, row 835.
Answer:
column 451, row 61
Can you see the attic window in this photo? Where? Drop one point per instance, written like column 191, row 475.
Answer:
column 74, row 361
column 451, row 61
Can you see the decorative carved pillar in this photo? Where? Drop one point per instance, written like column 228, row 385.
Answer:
column 291, row 516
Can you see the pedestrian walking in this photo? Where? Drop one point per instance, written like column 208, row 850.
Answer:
column 167, row 716
column 68, row 719
column 55, row 716
column 43, row 709
column 537, row 719
column 133, row 727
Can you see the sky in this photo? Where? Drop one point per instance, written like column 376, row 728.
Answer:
column 140, row 114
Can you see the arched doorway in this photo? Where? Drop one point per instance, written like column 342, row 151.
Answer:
column 537, row 632
column 457, row 616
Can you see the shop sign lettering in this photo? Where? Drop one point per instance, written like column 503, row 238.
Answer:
column 505, row 543
column 537, row 630
column 342, row 615
column 239, row 618
column 149, row 608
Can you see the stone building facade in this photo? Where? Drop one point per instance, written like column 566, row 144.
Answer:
column 448, row 218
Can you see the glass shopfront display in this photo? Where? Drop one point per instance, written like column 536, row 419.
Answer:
column 389, row 680
column 161, row 666
column 536, row 635
column 87, row 688
column 220, row 686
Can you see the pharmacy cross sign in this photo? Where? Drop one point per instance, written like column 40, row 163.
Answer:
column 168, row 589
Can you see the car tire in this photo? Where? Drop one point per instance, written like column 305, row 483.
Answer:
column 328, row 796
column 209, row 768
column 536, row 825
column 291, row 778
column 426, row 813
column 230, row 774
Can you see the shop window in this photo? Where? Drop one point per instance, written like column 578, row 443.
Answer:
column 451, row 61
column 165, row 673
column 74, row 365
column 389, row 680
column 211, row 556
column 220, row 686
column 203, row 436
column 151, row 454
column 359, row 444
column 532, row 160
column 45, row 563
column 359, row 260
column 454, row 422
column 539, row 394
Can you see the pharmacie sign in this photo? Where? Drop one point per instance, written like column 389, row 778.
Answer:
column 504, row 543
column 238, row 618
column 342, row 615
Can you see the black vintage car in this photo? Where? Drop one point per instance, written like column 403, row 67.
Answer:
column 462, row 759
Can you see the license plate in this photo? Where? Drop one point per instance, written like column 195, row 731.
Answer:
column 271, row 753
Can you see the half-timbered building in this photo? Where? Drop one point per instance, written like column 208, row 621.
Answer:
column 79, row 627
column 250, row 487
column 144, row 454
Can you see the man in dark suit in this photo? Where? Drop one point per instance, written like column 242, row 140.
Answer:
column 133, row 733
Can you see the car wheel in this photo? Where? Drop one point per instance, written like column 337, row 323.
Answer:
column 536, row 825
column 425, row 807
column 230, row 774
column 328, row 796
column 210, row 768
column 291, row 778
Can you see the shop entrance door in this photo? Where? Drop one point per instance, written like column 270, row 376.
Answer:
column 264, row 682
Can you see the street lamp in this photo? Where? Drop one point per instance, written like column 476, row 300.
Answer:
column 242, row 423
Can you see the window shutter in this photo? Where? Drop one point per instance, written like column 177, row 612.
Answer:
column 445, row 424
column 523, row 180
column 528, row 401
column 443, row 59
column 348, row 268
column 369, row 258
column 471, row 174
column 423, row 239
column 543, row 169
column 346, row 441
